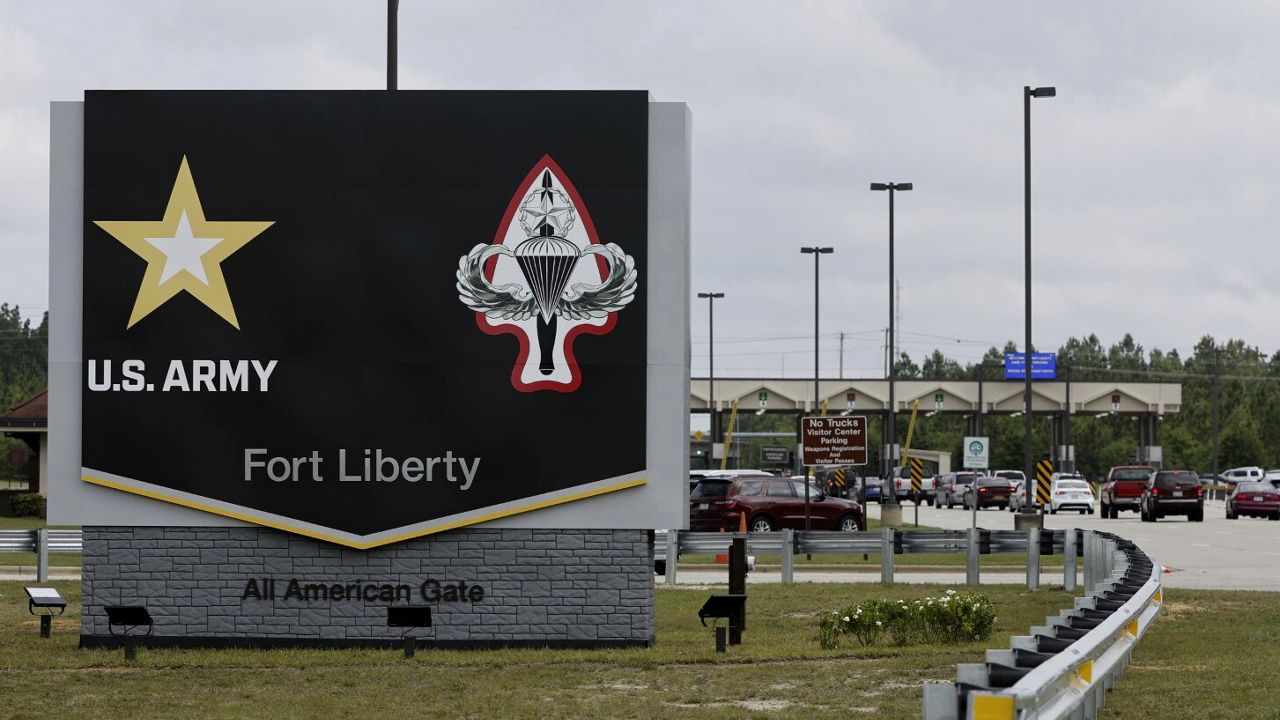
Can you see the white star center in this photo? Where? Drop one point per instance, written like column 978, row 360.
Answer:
column 183, row 251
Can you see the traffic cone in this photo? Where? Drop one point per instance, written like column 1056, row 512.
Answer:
column 742, row 522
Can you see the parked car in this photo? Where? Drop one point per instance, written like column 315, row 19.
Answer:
column 903, row 477
column 949, row 489
column 768, row 504
column 873, row 489
column 1123, row 489
column 1255, row 499
column 992, row 492
column 1015, row 477
column 1273, row 477
column 1243, row 474
column 1070, row 491
column 1173, row 492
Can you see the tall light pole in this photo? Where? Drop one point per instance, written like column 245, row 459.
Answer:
column 817, row 253
column 891, row 429
column 1028, row 512
column 711, row 384
column 393, row 14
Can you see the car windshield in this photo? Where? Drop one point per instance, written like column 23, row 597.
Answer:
column 1073, row 485
column 1131, row 474
column 799, row 488
column 1172, row 479
column 1010, row 474
column 711, row 489
column 985, row 481
column 964, row 478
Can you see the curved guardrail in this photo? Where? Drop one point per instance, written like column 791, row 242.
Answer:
column 1064, row 668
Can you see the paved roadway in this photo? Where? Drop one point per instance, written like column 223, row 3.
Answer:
column 1218, row 553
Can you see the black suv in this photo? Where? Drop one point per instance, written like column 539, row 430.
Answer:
column 1172, row 492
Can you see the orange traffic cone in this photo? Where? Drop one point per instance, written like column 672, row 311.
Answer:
column 742, row 522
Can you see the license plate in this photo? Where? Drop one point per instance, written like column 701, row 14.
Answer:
column 1177, row 493
column 702, row 506
column 1257, row 498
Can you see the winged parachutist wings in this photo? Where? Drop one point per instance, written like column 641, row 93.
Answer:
column 583, row 301
column 499, row 302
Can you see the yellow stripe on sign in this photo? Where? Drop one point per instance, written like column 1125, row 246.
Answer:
column 993, row 707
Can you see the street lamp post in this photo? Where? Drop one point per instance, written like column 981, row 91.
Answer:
column 711, row 352
column 1027, row 518
column 817, row 253
column 891, row 429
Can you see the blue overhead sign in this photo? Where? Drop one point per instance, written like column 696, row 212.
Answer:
column 1044, row 366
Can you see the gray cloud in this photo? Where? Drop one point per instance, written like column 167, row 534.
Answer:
column 1155, row 189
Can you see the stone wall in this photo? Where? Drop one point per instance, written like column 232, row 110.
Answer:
column 213, row 586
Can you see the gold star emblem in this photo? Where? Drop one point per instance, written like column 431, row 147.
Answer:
column 184, row 251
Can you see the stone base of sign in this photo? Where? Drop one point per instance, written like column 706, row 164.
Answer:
column 258, row 587
column 891, row 514
column 1026, row 521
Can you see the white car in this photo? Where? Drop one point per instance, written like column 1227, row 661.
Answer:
column 1243, row 474
column 1071, row 492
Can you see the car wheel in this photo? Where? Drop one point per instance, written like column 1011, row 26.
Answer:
column 1104, row 511
column 1230, row 515
column 1053, row 510
column 1274, row 516
column 1197, row 516
column 848, row 523
column 760, row 523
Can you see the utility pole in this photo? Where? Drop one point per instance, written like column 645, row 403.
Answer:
column 1217, row 391
column 393, row 11
column 842, row 355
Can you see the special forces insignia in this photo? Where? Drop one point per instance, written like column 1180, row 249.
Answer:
column 546, row 278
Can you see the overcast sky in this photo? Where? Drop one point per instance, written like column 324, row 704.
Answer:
column 1156, row 169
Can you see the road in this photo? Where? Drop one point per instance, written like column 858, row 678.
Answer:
column 1218, row 553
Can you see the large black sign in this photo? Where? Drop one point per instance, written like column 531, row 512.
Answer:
column 365, row 315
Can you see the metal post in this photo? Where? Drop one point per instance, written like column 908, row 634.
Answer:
column 737, row 586
column 1090, row 561
column 892, row 434
column 42, row 555
column 393, row 10
column 711, row 368
column 410, row 646
column 1217, row 391
column 788, row 555
column 1028, row 463
column 971, row 562
column 1069, row 562
column 673, row 555
column 1070, row 464
column 1033, row 559
column 46, row 626
column 809, row 472
column 886, row 555
column 721, row 637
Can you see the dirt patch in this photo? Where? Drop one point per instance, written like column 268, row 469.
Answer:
column 614, row 686
column 58, row 623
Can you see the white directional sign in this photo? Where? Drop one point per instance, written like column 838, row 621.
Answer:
column 977, row 453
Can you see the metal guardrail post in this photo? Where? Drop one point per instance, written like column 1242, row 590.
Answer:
column 1069, row 561
column 1089, row 561
column 971, row 561
column 42, row 555
column 788, row 555
column 1033, row 559
column 673, row 555
column 886, row 555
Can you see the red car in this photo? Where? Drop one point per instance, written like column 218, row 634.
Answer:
column 1255, row 499
column 1173, row 492
column 768, row 504
column 1124, row 488
column 992, row 492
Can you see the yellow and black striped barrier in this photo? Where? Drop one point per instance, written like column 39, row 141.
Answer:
column 1044, row 475
column 837, row 478
column 917, row 472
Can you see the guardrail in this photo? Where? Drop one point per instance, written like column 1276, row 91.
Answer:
column 41, row 541
column 1064, row 668
column 886, row 543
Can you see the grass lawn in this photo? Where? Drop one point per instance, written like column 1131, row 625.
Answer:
column 29, row 559
column 1210, row 654
column 779, row 671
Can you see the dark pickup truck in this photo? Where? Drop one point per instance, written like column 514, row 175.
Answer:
column 1123, row 489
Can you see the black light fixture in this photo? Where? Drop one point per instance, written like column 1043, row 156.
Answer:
column 891, row 425
column 129, row 618
column 46, row 600
column 409, row 617
column 711, row 298
column 1029, row 92
column 816, row 252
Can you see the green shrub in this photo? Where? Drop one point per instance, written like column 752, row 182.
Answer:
column 27, row 505
column 948, row 618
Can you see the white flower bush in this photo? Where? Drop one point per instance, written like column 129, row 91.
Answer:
column 948, row 618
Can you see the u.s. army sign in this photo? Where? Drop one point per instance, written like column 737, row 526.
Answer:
column 367, row 316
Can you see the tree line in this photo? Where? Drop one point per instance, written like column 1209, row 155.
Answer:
column 24, row 368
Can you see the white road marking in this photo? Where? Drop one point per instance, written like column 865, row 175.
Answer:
column 1200, row 545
